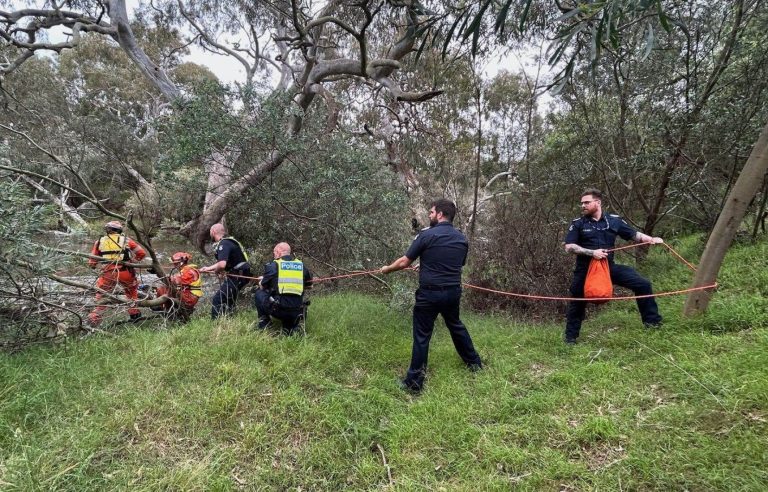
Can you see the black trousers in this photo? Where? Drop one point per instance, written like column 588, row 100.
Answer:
column 621, row 275
column 430, row 303
column 223, row 301
column 288, row 316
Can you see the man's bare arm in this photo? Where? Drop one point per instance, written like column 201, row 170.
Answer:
column 645, row 238
column 575, row 249
column 578, row 250
column 398, row 264
column 215, row 268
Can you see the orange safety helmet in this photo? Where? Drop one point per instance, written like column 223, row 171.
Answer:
column 181, row 257
column 114, row 225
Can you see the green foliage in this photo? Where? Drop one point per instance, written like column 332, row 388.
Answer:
column 328, row 199
column 22, row 261
column 208, row 125
column 632, row 132
column 201, row 125
column 334, row 202
column 580, row 31
column 19, row 220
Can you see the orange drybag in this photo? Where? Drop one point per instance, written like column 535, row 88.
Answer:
column 598, row 283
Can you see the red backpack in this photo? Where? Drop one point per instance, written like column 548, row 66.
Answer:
column 598, row 283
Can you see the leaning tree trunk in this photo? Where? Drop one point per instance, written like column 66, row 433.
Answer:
column 65, row 208
column 747, row 185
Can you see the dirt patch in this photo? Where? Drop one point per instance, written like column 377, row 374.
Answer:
column 539, row 371
column 602, row 455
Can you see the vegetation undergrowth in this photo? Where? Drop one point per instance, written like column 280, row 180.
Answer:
column 216, row 406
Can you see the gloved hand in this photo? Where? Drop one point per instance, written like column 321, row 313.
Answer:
column 152, row 271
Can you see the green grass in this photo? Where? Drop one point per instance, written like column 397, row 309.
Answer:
column 218, row 407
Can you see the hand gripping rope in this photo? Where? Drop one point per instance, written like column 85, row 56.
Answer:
column 544, row 298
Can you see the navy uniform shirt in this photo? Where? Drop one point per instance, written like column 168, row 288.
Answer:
column 443, row 252
column 269, row 283
column 597, row 234
column 228, row 250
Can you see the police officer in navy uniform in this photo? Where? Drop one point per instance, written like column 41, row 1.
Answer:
column 281, row 290
column 231, row 259
column 588, row 237
column 443, row 252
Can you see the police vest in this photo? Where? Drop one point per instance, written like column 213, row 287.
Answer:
column 240, row 266
column 112, row 247
column 196, row 286
column 290, row 277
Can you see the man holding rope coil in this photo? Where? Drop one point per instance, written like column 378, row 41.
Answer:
column 592, row 236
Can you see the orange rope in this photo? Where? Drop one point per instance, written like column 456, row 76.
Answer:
column 619, row 298
column 348, row 275
column 314, row 280
column 679, row 257
column 670, row 248
column 587, row 299
column 628, row 246
column 533, row 296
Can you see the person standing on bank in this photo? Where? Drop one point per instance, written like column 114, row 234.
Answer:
column 443, row 252
column 281, row 290
column 115, row 247
column 231, row 259
column 589, row 237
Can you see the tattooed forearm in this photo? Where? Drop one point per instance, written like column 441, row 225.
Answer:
column 578, row 250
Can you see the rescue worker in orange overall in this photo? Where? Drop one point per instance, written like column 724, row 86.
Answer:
column 115, row 246
column 186, row 288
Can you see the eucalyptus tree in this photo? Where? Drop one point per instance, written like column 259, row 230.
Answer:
column 701, row 50
column 99, row 116
column 667, row 135
column 298, row 47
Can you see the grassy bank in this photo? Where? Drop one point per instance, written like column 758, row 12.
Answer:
column 218, row 407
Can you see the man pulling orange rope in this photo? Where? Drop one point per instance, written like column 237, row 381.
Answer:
column 592, row 237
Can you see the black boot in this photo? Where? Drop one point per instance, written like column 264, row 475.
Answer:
column 135, row 318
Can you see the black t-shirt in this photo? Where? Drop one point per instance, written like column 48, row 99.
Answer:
column 443, row 252
column 228, row 250
column 597, row 234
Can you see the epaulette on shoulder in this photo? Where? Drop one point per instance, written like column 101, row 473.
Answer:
column 617, row 216
column 577, row 219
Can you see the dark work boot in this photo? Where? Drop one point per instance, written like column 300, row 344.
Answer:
column 475, row 367
column 410, row 388
column 135, row 318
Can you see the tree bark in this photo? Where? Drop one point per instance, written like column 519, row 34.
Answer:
column 68, row 210
column 747, row 185
column 761, row 213
column 118, row 15
column 473, row 217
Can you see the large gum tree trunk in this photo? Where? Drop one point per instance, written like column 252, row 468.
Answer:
column 747, row 185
